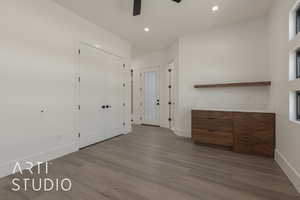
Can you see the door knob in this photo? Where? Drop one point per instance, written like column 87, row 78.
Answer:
column 107, row 106
column 103, row 107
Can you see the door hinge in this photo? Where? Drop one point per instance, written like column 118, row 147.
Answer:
column 79, row 135
column 79, row 79
column 124, row 123
column 79, row 51
column 124, row 85
column 124, row 65
column 79, row 107
column 124, row 104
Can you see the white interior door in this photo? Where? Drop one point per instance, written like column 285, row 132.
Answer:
column 150, row 79
column 92, row 98
column 115, row 97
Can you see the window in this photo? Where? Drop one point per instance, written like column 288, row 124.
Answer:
column 294, row 20
column 297, row 21
column 298, row 105
column 297, row 64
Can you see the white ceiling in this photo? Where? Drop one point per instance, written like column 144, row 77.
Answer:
column 166, row 19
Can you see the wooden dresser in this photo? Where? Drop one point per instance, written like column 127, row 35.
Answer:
column 244, row 132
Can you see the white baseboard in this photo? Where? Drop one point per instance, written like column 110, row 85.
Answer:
column 181, row 133
column 163, row 125
column 7, row 168
column 288, row 169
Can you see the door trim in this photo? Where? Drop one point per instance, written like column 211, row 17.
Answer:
column 171, row 93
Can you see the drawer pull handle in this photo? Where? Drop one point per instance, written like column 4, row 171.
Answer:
column 212, row 118
column 211, row 131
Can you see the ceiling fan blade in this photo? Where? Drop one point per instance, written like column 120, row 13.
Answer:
column 137, row 7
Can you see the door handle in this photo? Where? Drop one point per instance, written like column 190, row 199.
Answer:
column 103, row 107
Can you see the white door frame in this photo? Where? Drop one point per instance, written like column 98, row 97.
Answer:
column 142, row 91
column 171, row 93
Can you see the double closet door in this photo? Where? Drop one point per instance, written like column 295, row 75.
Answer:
column 101, row 96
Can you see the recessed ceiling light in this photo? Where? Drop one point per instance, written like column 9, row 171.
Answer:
column 146, row 29
column 215, row 8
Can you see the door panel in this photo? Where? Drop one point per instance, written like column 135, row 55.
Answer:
column 150, row 96
column 115, row 96
column 151, row 105
column 92, row 87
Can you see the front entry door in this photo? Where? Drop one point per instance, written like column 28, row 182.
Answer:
column 151, row 101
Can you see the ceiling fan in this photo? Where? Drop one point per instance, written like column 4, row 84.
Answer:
column 137, row 5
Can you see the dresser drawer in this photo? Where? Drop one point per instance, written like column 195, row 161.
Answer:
column 212, row 137
column 223, row 125
column 254, row 133
column 211, row 114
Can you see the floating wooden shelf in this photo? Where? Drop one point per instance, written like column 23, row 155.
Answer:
column 241, row 84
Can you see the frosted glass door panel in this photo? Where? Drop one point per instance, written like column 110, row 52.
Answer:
column 150, row 97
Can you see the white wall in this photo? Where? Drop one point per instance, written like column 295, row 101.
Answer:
column 234, row 53
column 230, row 54
column 288, row 132
column 38, row 59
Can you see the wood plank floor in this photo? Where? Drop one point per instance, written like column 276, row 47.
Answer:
column 153, row 163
